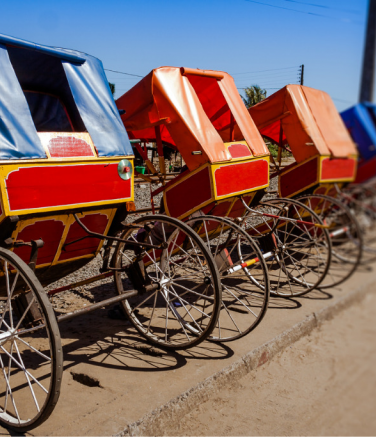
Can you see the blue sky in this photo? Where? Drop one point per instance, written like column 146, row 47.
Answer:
column 242, row 37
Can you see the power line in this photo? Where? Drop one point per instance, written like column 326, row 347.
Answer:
column 262, row 71
column 343, row 101
column 295, row 10
column 274, row 79
column 277, row 85
column 122, row 72
column 269, row 76
column 263, row 88
column 269, row 81
column 323, row 6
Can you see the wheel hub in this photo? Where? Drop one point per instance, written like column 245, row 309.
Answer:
column 165, row 282
column 6, row 336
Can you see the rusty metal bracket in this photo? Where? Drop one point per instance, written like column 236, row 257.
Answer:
column 35, row 246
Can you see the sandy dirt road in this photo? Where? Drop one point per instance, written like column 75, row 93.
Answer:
column 325, row 384
column 113, row 378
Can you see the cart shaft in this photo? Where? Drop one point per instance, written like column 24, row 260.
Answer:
column 96, row 306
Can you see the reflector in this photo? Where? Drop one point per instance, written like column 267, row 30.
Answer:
column 125, row 169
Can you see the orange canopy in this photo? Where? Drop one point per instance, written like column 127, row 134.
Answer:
column 309, row 120
column 196, row 111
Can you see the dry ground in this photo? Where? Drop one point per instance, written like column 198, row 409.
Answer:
column 325, row 384
column 113, row 378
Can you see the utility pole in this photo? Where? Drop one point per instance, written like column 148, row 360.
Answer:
column 368, row 71
column 302, row 74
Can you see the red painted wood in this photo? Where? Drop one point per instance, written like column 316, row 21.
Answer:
column 94, row 222
column 298, row 178
column 208, row 208
column 366, row 170
column 332, row 192
column 239, row 151
column 238, row 208
column 50, row 231
column 320, row 190
column 48, row 186
column 337, row 168
column 221, row 209
column 69, row 147
column 189, row 193
column 232, row 179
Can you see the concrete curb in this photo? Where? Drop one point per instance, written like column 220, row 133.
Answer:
column 153, row 423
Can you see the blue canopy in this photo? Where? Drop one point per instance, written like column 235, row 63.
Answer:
column 360, row 120
column 52, row 89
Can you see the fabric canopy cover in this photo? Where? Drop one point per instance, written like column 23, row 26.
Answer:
column 360, row 120
column 76, row 78
column 310, row 122
column 195, row 111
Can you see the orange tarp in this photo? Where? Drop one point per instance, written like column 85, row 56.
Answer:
column 196, row 111
column 310, row 122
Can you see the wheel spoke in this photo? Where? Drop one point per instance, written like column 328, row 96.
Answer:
column 21, row 367
column 9, row 390
column 27, row 376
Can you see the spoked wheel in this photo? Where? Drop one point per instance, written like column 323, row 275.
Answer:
column 297, row 250
column 345, row 235
column 179, row 291
column 31, row 357
column 361, row 199
column 243, row 274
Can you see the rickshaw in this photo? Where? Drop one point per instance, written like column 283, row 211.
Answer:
column 360, row 121
column 305, row 122
column 200, row 113
column 66, row 184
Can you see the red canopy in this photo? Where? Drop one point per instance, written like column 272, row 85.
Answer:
column 195, row 111
column 310, row 123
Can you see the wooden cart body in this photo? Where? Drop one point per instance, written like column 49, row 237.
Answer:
column 199, row 113
column 307, row 120
column 61, row 140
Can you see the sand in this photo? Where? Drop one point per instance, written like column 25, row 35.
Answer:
column 325, row 384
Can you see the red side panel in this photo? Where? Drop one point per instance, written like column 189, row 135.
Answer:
column 298, row 178
column 221, row 209
column 50, row 231
column 48, row 186
column 189, row 193
column 94, row 222
column 366, row 171
column 235, row 178
column 69, row 147
column 332, row 192
column 208, row 208
column 239, row 151
column 238, row 208
column 320, row 190
column 337, row 168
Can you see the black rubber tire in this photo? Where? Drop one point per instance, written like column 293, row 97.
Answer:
column 212, row 280
column 43, row 304
column 361, row 199
column 354, row 236
column 242, row 308
column 268, row 231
